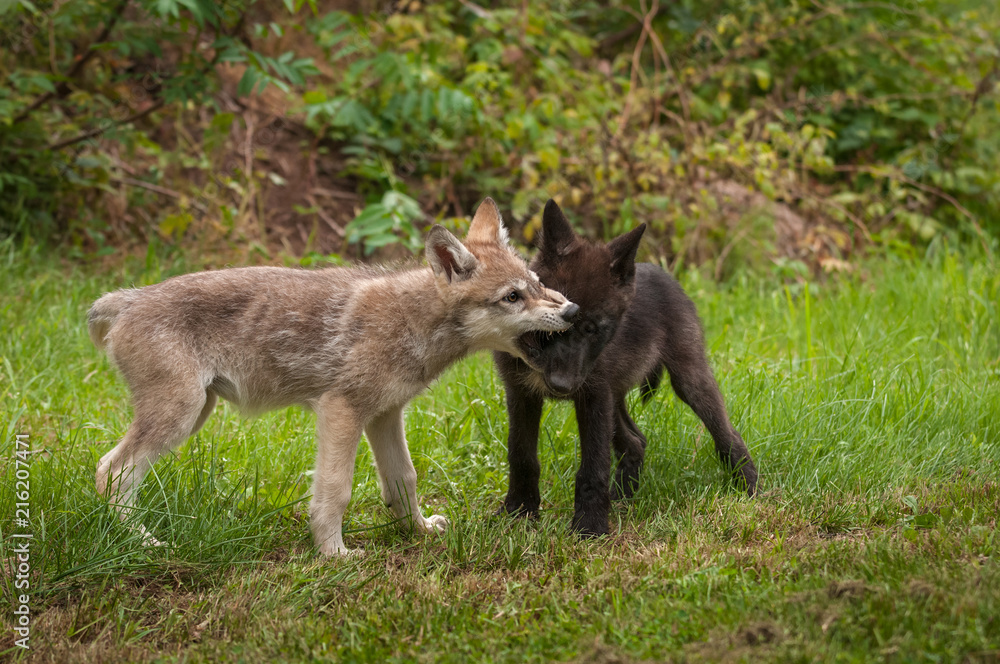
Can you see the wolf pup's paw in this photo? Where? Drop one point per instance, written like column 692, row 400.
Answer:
column 147, row 537
column 589, row 527
column 339, row 551
column 435, row 523
column 744, row 478
column 520, row 511
column 621, row 491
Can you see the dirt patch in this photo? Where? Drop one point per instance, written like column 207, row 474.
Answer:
column 743, row 645
column 304, row 200
column 735, row 201
column 106, row 651
column 600, row 653
column 848, row 589
column 759, row 634
column 921, row 589
column 308, row 205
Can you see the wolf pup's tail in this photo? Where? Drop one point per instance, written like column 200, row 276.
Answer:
column 105, row 312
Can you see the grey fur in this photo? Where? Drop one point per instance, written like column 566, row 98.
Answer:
column 353, row 344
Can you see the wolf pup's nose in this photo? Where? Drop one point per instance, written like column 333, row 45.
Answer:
column 571, row 311
column 561, row 384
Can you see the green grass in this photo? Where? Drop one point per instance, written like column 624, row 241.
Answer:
column 871, row 404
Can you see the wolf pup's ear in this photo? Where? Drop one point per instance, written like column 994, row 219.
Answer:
column 487, row 225
column 557, row 235
column 623, row 250
column 447, row 256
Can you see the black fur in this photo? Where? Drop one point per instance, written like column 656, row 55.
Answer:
column 634, row 322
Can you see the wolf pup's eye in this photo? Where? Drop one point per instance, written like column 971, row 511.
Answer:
column 512, row 297
column 589, row 328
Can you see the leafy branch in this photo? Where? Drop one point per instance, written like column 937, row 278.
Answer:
column 63, row 88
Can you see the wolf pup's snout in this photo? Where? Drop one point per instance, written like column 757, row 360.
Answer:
column 566, row 311
column 562, row 384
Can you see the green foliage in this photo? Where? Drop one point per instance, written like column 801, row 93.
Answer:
column 387, row 222
column 85, row 71
column 873, row 121
column 868, row 115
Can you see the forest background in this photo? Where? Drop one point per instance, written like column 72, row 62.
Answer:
column 774, row 134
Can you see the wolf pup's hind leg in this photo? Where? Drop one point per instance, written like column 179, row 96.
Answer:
column 692, row 380
column 630, row 449
column 164, row 418
column 211, row 398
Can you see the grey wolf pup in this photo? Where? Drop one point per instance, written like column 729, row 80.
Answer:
column 352, row 344
column 634, row 322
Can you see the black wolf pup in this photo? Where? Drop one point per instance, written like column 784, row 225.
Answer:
column 634, row 322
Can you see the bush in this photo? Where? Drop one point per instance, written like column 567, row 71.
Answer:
column 871, row 121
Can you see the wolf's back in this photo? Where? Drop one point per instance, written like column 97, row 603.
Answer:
column 106, row 311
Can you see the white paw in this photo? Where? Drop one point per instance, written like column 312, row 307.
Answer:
column 435, row 523
column 147, row 537
column 338, row 550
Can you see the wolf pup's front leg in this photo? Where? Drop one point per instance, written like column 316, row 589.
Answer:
column 337, row 434
column 595, row 419
column 524, row 408
column 338, row 431
column 397, row 477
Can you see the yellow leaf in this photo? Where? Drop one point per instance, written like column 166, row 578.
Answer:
column 175, row 224
column 763, row 78
column 549, row 158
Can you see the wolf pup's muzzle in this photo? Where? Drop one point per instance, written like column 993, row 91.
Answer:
column 569, row 315
column 567, row 311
